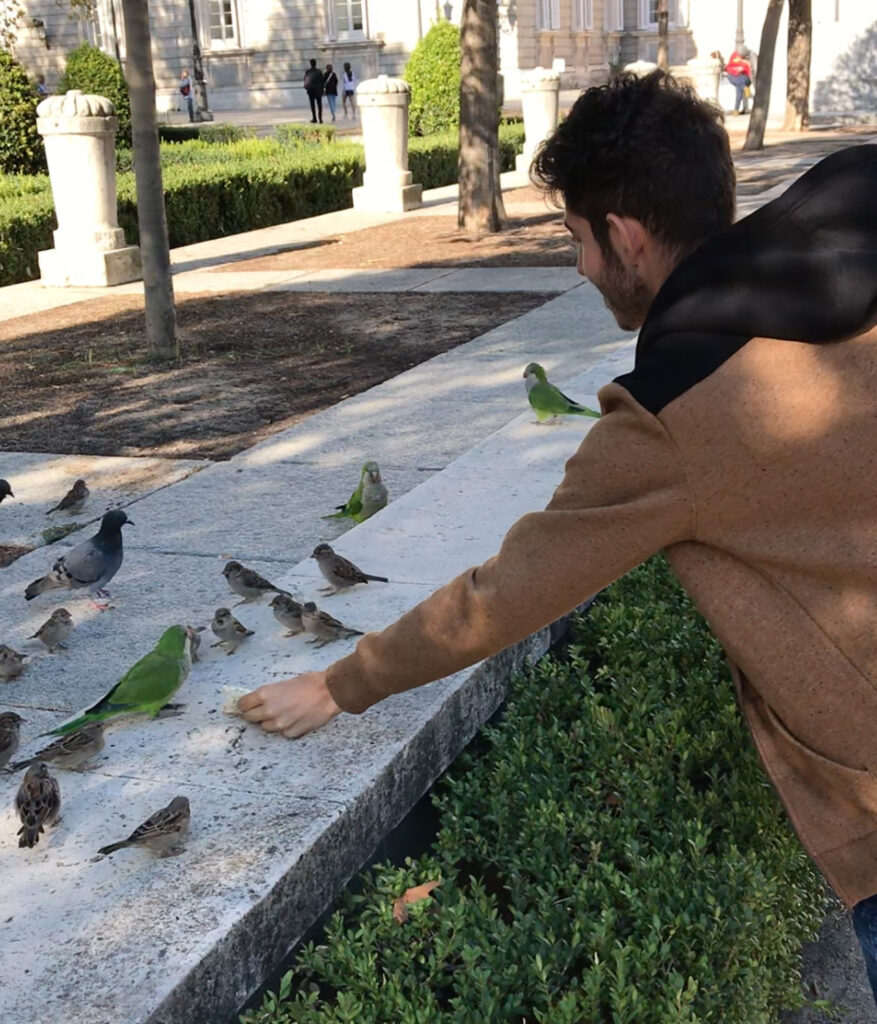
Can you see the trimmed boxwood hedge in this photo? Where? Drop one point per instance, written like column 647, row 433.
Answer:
column 612, row 852
column 215, row 189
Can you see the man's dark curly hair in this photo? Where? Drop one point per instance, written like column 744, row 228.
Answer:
column 643, row 147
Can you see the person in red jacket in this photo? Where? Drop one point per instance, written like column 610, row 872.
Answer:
column 739, row 72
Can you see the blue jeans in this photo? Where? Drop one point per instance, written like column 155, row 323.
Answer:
column 332, row 99
column 739, row 83
column 865, row 924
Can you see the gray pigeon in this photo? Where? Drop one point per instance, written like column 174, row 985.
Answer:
column 5, row 490
column 91, row 564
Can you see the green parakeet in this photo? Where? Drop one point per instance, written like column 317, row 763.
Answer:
column 147, row 686
column 547, row 400
column 369, row 497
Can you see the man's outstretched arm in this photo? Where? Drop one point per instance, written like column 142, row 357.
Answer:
column 624, row 496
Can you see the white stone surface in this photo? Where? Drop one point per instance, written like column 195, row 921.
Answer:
column 277, row 826
column 540, row 97
column 387, row 184
column 41, row 480
column 705, row 75
column 263, row 511
column 79, row 130
column 504, row 279
column 355, row 280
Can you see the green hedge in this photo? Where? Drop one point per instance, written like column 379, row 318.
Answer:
column 612, row 853
column 94, row 71
column 214, row 189
column 21, row 146
column 294, row 134
column 27, row 219
column 433, row 72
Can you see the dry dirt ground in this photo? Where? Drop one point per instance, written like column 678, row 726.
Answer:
column 75, row 378
column 535, row 237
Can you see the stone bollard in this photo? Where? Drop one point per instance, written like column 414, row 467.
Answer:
column 704, row 76
column 79, row 132
column 540, row 93
column 387, row 182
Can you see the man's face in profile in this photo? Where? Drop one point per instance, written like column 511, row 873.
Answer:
column 624, row 292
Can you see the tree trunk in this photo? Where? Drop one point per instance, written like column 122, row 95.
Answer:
column 663, row 33
column 480, row 208
column 161, row 340
column 764, row 76
column 798, row 74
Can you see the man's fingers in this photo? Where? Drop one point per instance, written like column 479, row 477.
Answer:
column 258, row 713
column 249, row 701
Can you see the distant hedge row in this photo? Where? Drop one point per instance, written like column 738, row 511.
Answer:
column 215, row 189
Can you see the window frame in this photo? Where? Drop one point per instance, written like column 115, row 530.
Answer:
column 548, row 14
column 583, row 15
column 348, row 35
column 205, row 28
column 645, row 8
column 613, row 15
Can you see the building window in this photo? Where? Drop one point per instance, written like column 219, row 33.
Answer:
column 348, row 19
column 548, row 14
column 221, row 22
column 614, row 15
column 648, row 13
column 583, row 15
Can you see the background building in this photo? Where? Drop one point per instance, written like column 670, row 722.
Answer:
column 255, row 51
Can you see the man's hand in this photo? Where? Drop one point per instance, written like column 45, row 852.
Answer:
column 294, row 706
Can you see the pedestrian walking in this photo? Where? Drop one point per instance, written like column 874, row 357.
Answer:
column 187, row 93
column 313, row 82
column 330, row 88
column 348, row 82
column 741, row 444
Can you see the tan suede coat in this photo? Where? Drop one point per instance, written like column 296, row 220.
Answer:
column 760, row 482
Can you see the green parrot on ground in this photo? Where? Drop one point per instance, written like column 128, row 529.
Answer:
column 369, row 497
column 547, row 401
column 147, row 686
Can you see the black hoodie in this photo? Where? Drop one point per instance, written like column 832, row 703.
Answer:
column 801, row 268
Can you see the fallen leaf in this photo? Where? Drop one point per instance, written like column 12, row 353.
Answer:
column 413, row 895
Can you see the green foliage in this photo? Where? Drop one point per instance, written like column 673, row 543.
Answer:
column 214, row 189
column 293, row 134
column 612, row 852
column 93, row 71
column 27, row 219
column 223, row 133
column 433, row 72
column 21, row 147
column 432, row 160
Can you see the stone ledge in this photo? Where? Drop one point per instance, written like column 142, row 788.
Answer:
column 277, row 827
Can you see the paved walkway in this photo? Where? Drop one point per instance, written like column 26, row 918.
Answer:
column 277, row 827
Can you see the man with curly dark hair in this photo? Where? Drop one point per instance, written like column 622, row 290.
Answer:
column 742, row 444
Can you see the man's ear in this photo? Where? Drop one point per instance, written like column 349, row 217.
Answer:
column 627, row 236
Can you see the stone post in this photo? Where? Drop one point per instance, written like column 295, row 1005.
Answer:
column 79, row 132
column 540, row 93
column 387, row 182
column 705, row 76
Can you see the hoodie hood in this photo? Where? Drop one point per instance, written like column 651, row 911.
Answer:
column 801, row 268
